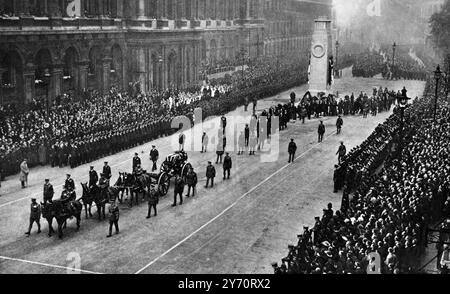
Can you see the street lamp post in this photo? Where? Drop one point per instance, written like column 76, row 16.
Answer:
column 447, row 86
column 394, row 47
column 47, row 76
column 336, row 61
column 402, row 102
column 437, row 77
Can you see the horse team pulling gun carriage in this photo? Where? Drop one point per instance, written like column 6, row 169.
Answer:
column 174, row 164
column 139, row 182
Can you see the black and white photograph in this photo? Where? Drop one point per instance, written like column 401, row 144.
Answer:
column 252, row 138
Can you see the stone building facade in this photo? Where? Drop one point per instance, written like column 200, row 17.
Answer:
column 50, row 47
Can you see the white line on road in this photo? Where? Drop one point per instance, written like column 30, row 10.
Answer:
column 227, row 209
column 49, row 265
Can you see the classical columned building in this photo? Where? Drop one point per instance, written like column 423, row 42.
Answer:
column 51, row 47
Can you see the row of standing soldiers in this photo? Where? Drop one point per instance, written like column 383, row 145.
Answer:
column 381, row 100
column 106, row 143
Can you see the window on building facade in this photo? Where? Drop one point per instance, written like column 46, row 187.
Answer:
column 170, row 9
column 188, row 9
column 151, row 8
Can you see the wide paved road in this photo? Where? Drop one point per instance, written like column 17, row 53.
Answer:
column 240, row 226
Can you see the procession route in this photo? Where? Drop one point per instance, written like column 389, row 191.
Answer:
column 49, row 265
column 231, row 205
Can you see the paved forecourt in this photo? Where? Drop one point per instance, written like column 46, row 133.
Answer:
column 240, row 226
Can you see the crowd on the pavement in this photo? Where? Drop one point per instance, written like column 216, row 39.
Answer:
column 373, row 62
column 395, row 184
column 74, row 131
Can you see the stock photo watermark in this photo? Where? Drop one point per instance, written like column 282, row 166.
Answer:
column 241, row 133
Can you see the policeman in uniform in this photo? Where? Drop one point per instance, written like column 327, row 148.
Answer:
column 136, row 161
column 107, row 170
column 154, row 155
column 227, row 165
column 114, row 215
column 93, row 177
column 48, row 191
column 153, row 200
column 35, row 216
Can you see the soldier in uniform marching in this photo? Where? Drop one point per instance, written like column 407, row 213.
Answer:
column 292, row 148
column 48, row 191
column 339, row 124
column 210, row 174
column 153, row 200
column 35, row 216
column 136, row 161
column 191, row 181
column 114, row 215
column 154, row 155
column 321, row 131
column 178, row 190
column 227, row 165
column 107, row 170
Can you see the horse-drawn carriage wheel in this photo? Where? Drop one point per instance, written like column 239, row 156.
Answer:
column 163, row 184
column 185, row 169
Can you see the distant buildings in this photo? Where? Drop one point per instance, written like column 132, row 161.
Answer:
column 55, row 47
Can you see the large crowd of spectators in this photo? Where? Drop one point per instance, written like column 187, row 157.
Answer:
column 394, row 187
column 373, row 62
column 74, row 130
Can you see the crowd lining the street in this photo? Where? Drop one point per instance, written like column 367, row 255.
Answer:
column 76, row 131
column 395, row 184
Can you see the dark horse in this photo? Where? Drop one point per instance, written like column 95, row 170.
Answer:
column 95, row 194
column 61, row 210
column 137, row 185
